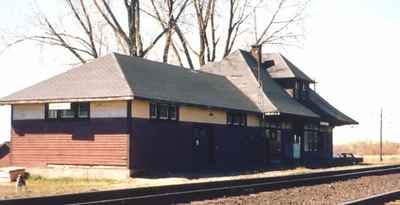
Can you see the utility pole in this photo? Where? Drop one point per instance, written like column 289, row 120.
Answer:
column 380, row 150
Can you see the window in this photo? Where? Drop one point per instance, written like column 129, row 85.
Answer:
column 52, row 114
column 83, row 110
column 68, row 110
column 164, row 111
column 283, row 125
column 172, row 112
column 238, row 119
column 301, row 90
column 311, row 137
column 67, row 113
column 163, row 114
column 153, row 110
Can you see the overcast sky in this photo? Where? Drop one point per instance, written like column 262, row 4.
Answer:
column 352, row 50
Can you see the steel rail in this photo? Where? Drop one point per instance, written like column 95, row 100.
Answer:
column 376, row 199
column 201, row 191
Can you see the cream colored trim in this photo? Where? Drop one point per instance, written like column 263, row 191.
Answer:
column 141, row 109
column 28, row 112
column 201, row 115
column 253, row 120
column 108, row 109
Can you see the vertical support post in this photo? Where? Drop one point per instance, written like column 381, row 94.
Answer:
column 129, row 127
column 380, row 134
column 11, row 135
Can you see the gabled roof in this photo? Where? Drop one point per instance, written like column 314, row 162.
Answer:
column 235, row 68
column 124, row 77
column 327, row 111
column 275, row 93
column 283, row 68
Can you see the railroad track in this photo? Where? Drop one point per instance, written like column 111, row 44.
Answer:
column 172, row 194
column 376, row 199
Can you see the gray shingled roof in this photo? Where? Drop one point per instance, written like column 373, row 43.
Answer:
column 327, row 111
column 154, row 80
column 97, row 79
column 116, row 76
column 275, row 93
column 234, row 66
column 283, row 68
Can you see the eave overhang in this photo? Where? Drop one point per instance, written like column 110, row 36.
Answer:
column 61, row 100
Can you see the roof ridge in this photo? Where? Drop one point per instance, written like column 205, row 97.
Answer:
column 171, row 66
column 114, row 56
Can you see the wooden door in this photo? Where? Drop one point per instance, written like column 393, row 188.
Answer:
column 274, row 141
column 203, row 148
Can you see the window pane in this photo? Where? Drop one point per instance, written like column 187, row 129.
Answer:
column 273, row 135
column 52, row 114
column 67, row 114
column 229, row 118
column 153, row 110
column 172, row 112
column 267, row 134
column 83, row 110
column 278, row 135
column 306, row 141
column 315, row 141
column 163, row 111
column 235, row 119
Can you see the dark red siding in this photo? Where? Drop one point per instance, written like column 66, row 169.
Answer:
column 75, row 142
column 4, row 156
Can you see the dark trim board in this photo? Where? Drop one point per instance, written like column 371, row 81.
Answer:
column 77, row 128
column 129, row 127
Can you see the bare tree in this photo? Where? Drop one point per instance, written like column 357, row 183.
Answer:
column 171, row 22
column 209, row 30
column 204, row 9
column 237, row 16
column 80, row 45
column 134, row 40
column 278, row 29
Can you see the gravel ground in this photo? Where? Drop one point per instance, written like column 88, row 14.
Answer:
column 332, row 193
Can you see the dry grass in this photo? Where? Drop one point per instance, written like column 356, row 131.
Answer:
column 38, row 186
column 368, row 148
column 387, row 159
column 370, row 151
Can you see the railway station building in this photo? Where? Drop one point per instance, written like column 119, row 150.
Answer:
column 249, row 110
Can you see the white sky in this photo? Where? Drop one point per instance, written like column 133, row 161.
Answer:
column 352, row 50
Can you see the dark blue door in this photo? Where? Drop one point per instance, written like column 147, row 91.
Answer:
column 203, row 148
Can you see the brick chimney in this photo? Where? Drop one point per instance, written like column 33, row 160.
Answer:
column 256, row 52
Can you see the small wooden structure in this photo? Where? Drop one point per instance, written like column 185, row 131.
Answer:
column 10, row 174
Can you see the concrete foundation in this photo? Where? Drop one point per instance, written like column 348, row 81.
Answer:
column 86, row 172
